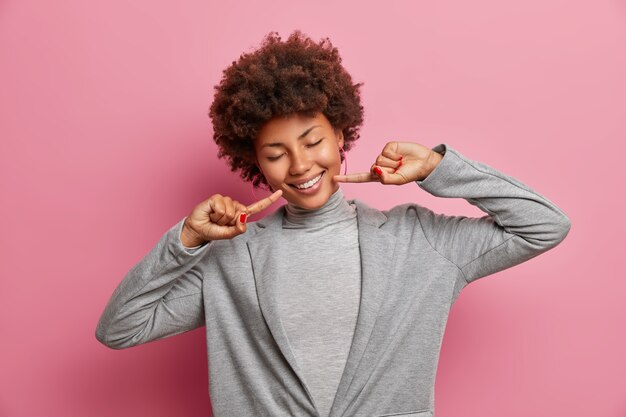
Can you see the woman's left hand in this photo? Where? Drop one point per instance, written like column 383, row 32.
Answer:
column 398, row 163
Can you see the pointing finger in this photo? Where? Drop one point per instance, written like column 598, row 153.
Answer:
column 264, row 203
column 360, row 177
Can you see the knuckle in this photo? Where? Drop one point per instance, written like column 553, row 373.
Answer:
column 390, row 149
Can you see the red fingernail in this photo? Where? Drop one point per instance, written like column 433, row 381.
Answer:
column 242, row 217
column 400, row 163
column 378, row 171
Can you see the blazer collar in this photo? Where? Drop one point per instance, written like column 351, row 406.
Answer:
column 377, row 249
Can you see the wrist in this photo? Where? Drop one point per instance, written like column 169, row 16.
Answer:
column 189, row 237
column 431, row 163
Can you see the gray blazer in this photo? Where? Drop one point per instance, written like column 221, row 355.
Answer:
column 414, row 263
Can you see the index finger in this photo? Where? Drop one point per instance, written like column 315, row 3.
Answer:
column 264, row 203
column 359, row 177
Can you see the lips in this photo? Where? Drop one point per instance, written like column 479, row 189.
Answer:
column 293, row 184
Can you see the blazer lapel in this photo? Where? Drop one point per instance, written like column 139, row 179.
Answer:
column 266, row 253
column 377, row 250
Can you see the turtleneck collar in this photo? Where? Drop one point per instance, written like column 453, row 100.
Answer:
column 336, row 209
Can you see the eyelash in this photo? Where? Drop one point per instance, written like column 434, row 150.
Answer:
column 274, row 158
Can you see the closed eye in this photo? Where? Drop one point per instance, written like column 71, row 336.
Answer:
column 274, row 158
column 316, row 143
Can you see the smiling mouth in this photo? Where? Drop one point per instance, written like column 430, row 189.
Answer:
column 310, row 183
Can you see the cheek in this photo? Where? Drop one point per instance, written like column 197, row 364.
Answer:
column 274, row 172
column 332, row 158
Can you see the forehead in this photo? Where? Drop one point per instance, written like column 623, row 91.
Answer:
column 282, row 128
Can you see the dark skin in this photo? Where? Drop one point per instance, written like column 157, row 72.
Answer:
column 398, row 163
column 220, row 217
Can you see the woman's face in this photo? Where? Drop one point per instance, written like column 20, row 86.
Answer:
column 295, row 149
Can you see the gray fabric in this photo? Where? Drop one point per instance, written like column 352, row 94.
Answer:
column 319, row 292
column 414, row 263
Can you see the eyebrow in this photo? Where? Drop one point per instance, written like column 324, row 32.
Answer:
column 306, row 132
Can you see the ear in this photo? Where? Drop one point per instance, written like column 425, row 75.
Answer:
column 339, row 136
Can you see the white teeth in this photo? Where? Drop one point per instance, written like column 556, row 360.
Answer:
column 309, row 183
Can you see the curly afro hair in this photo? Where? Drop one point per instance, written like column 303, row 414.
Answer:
column 280, row 79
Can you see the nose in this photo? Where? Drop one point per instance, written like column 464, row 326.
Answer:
column 300, row 163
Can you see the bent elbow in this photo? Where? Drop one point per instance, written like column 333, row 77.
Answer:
column 549, row 234
column 564, row 227
column 559, row 231
column 103, row 337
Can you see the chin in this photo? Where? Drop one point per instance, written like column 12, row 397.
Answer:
column 311, row 202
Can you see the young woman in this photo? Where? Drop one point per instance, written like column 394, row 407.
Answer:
column 326, row 307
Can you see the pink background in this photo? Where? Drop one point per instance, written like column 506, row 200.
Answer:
column 106, row 143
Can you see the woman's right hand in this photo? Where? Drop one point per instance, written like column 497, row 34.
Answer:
column 220, row 217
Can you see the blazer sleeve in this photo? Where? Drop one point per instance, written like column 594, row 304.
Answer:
column 160, row 296
column 520, row 223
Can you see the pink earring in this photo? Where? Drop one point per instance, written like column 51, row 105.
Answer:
column 345, row 158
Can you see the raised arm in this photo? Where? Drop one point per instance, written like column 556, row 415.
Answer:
column 520, row 223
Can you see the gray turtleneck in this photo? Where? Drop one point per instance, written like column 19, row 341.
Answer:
column 320, row 291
